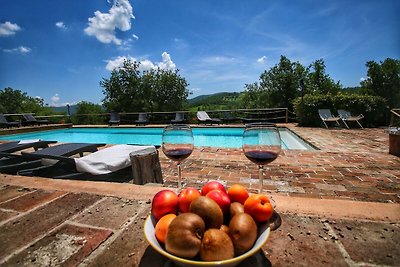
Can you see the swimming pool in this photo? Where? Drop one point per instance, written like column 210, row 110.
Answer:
column 213, row 137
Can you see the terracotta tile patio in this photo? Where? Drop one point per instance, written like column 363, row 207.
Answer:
column 350, row 164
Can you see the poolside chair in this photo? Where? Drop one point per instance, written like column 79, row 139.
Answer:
column 203, row 117
column 142, row 119
column 179, row 118
column 114, row 119
column 111, row 162
column 326, row 116
column 12, row 163
column 15, row 146
column 346, row 116
column 30, row 120
column 228, row 117
column 6, row 124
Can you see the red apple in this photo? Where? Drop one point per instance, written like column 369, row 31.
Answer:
column 221, row 198
column 212, row 185
column 186, row 197
column 164, row 202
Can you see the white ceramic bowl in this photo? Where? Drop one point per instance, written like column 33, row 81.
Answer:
column 149, row 233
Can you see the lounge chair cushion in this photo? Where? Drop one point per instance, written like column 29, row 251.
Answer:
column 110, row 159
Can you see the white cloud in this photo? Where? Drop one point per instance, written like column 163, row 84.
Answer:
column 362, row 79
column 167, row 63
column 117, row 62
column 7, row 28
column 19, row 50
column 103, row 25
column 135, row 37
column 145, row 64
column 262, row 60
column 55, row 99
column 61, row 25
column 218, row 60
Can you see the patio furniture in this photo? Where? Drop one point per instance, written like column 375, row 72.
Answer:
column 228, row 117
column 29, row 119
column 12, row 163
column 203, row 117
column 346, row 116
column 15, row 146
column 394, row 140
column 111, row 163
column 114, row 119
column 326, row 116
column 142, row 119
column 6, row 124
column 179, row 118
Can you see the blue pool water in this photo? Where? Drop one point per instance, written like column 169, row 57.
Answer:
column 213, row 137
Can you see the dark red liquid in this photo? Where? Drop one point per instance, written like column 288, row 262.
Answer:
column 261, row 157
column 178, row 154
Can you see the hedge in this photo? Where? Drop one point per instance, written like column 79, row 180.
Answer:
column 374, row 108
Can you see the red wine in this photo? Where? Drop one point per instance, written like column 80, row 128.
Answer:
column 178, row 154
column 261, row 157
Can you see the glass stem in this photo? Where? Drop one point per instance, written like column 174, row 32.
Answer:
column 260, row 177
column 179, row 176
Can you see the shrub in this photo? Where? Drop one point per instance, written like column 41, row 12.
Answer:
column 374, row 108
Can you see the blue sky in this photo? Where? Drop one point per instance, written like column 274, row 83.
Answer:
column 60, row 50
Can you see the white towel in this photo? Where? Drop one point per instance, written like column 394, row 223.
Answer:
column 110, row 159
column 28, row 141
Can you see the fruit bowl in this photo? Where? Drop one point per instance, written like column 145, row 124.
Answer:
column 149, row 232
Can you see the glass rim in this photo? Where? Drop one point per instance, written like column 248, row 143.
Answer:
column 178, row 126
column 261, row 124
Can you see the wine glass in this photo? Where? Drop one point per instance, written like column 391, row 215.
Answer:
column 261, row 145
column 177, row 144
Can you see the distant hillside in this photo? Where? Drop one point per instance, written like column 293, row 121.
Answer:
column 64, row 109
column 213, row 99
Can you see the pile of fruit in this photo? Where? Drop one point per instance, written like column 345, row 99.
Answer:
column 212, row 224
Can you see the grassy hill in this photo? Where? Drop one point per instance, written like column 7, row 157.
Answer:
column 64, row 109
column 218, row 99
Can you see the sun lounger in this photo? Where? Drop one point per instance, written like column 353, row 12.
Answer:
column 15, row 146
column 12, row 163
column 142, row 119
column 114, row 119
column 326, row 116
column 203, row 117
column 346, row 116
column 6, row 124
column 179, row 118
column 228, row 117
column 97, row 166
column 30, row 120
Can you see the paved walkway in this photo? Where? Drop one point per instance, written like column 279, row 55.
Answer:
column 350, row 164
column 47, row 222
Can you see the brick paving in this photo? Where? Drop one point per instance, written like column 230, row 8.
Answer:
column 350, row 164
column 86, row 229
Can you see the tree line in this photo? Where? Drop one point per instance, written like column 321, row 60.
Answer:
column 130, row 89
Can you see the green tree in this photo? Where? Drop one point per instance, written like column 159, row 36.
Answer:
column 277, row 87
column 383, row 80
column 131, row 90
column 88, row 113
column 318, row 81
column 16, row 101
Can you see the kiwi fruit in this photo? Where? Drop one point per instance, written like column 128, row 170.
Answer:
column 236, row 208
column 208, row 210
column 216, row 246
column 224, row 228
column 243, row 232
column 184, row 235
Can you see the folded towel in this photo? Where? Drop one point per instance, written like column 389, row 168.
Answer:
column 110, row 159
column 28, row 141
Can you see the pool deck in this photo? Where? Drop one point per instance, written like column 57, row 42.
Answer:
column 340, row 207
